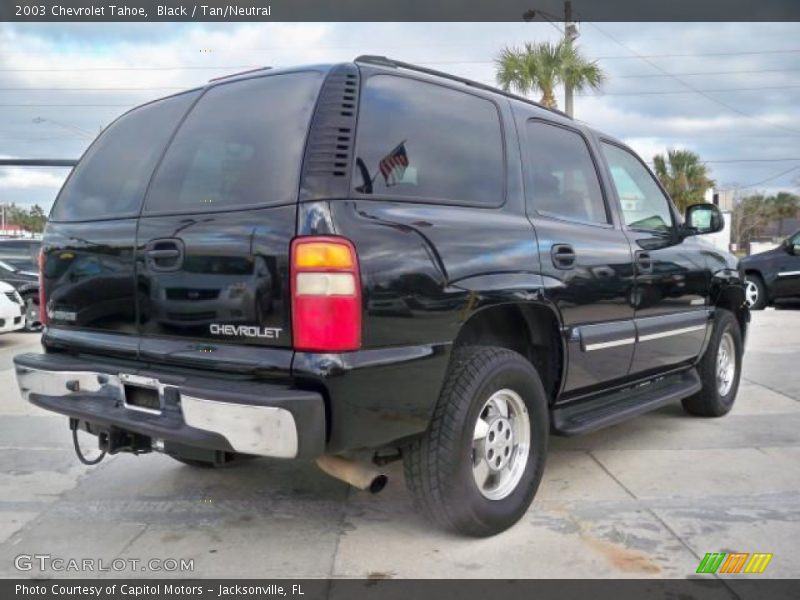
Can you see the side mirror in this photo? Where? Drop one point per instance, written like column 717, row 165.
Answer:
column 702, row 219
column 791, row 247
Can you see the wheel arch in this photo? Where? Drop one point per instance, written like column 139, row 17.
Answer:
column 529, row 328
column 732, row 298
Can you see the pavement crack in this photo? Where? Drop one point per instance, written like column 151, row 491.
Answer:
column 663, row 523
column 335, row 554
column 610, row 474
column 770, row 388
column 132, row 541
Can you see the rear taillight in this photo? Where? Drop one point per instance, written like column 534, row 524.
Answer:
column 42, row 307
column 326, row 294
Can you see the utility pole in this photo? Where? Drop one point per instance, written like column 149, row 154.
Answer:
column 570, row 35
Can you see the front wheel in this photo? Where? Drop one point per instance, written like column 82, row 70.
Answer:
column 755, row 292
column 719, row 369
column 477, row 468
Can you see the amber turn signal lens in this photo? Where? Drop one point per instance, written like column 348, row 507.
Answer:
column 323, row 255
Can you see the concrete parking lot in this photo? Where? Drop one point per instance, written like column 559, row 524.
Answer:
column 647, row 498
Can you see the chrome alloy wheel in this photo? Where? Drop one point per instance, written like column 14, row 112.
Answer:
column 726, row 364
column 500, row 444
column 751, row 293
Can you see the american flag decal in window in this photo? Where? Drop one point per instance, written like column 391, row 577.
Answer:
column 393, row 165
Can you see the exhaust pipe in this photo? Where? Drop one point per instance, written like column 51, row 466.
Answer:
column 356, row 474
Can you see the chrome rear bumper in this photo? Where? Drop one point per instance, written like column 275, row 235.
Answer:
column 246, row 417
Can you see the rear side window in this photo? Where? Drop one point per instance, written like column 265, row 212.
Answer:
column 111, row 179
column 423, row 141
column 242, row 145
column 562, row 175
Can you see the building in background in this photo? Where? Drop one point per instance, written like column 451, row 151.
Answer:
column 724, row 199
column 9, row 228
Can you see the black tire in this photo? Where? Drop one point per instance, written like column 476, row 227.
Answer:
column 758, row 283
column 31, row 298
column 709, row 402
column 438, row 465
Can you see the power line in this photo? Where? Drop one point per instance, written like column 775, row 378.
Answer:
column 685, row 74
column 691, row 55
column 93, row 69
column 692, row 91
column 66, row 105
column 763, row 181
column 690, row 86
column 743, row 160
column 89, row 89
column 643, row 56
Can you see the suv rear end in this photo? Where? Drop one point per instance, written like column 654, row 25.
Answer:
column 165, row 276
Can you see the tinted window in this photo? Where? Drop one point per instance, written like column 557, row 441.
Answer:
column 111, row 178
column 421, row 140
column 241, row 145
column 562, row 176
column 644, row 206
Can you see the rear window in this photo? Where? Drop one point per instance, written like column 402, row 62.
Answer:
column 242, row 145
column 111, row 178
column 424, row 141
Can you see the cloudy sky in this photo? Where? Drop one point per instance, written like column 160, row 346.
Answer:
column 730, row 92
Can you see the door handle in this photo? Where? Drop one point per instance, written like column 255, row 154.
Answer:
column 164, row 255
column 563, row 256
column 643, row 262
column 174, row 253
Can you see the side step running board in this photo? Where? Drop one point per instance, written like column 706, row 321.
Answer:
column 609, row 409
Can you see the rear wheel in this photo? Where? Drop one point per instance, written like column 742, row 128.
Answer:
column 477, row 469
column 755, row 292
column 32, row 319
column 719, row 369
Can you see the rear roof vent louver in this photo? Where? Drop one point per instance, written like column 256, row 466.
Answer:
column 329, row 151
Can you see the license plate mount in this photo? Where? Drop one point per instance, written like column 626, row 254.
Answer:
column 143, row 394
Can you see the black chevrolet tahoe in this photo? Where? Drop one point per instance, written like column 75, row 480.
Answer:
column 774, row 275
column 370, row 261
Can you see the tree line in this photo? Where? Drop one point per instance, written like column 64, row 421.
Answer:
column 31, row 219
column 753, row 213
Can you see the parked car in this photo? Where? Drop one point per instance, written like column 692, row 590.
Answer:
column 18, row 267
column 454, row 272
column 773, row 275
column 12, row 309
column 27, row 284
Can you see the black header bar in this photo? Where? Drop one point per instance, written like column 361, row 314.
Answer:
column 396, row 10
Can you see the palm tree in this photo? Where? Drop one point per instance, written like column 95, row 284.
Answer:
column 684, row 177
column 543, row 66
